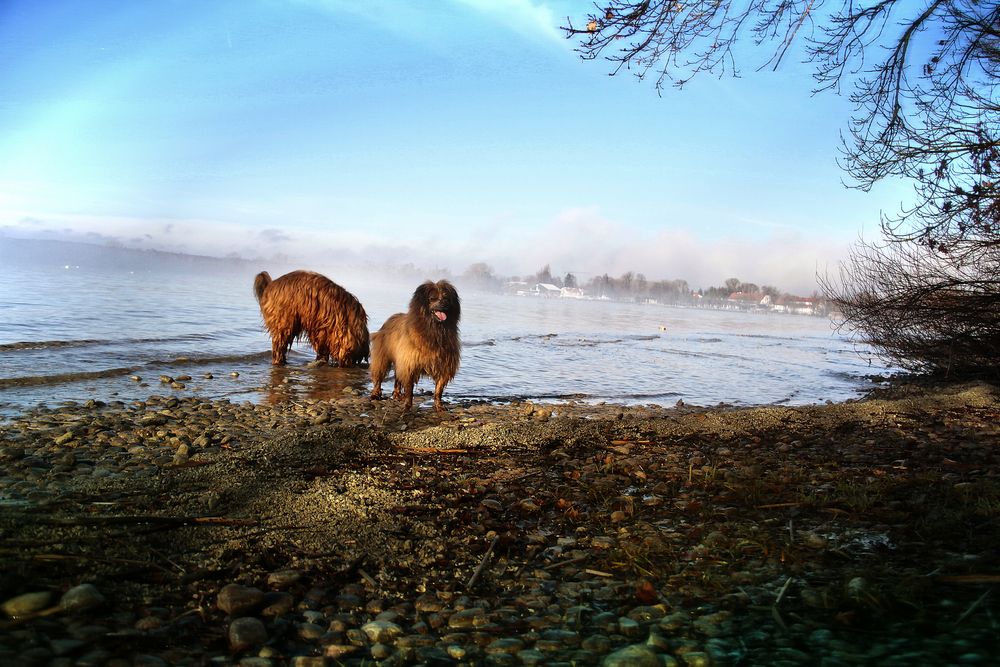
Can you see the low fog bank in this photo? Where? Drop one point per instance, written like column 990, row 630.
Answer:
column 384, row 275
column 46, row 255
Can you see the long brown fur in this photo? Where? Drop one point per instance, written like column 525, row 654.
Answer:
column 422, row 341
column 303, row 303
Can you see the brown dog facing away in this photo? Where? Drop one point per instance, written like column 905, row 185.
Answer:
column 304, row 303
column 422, row 341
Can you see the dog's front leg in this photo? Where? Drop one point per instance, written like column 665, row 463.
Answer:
column 438, row 392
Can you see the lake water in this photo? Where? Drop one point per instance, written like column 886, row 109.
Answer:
column 76, row 323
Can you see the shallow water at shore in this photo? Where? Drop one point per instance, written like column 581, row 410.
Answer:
column 83, row 327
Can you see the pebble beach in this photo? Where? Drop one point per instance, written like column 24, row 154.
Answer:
column 186, row 531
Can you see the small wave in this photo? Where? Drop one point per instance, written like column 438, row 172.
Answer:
column 198, row 360
column 588, row 342
column 844, row 376
column 516, row 398
column 48, row 344
column 536, row 337
column 695, row 354
column 765, row 336
column 480, row 343
column 91, row 342
column 584, row 341
column 570, row 396
column 78, row 376
column 62, row 378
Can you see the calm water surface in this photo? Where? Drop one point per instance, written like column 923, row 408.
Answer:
column 76, row 325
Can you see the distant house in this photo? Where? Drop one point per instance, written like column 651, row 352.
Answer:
column 546, row 289
column 799, row 305
column 748, row 301
column 517, row 287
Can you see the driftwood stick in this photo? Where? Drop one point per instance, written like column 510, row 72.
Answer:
column 482, row 563
column 598, row 573
column 774, row 608
column 562, row 563
column 433, row 450
column 98, row 559
column 971, row 579
column 148, row 518
column 972, row 607
column 367, row 577
column 781, row 593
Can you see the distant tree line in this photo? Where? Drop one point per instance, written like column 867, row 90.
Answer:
column 630, row 286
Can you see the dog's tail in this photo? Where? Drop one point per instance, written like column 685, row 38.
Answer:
column 260, row 284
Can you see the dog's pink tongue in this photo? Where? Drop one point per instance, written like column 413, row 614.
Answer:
column 440, row 315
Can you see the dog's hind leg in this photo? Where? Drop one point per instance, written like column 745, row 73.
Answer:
column 322, row 354
column 281, row 342
column 379, row 369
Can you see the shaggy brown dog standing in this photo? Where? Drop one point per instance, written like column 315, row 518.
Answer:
column 306, row 303
column 422, row 341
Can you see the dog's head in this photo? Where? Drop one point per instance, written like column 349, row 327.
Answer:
column 437, row 302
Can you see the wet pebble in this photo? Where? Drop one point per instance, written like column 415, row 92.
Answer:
column 283, row 579
column 504, row 645
column 636, row 655
column 383, row 632
column 245, row 633
column 467, row 618
column 81, row 598
column 237, row 600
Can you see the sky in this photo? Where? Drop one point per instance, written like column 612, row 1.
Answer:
column 438, row 133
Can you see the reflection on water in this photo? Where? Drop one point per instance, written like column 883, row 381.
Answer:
column 314, row 381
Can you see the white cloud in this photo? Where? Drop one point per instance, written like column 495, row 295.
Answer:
column 527, row 18
column 427, row 22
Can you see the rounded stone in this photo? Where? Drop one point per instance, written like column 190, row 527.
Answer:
column 647, row 613
column 381, row 632
column 147, row 660
column 311, row 631
column 81, row 598
column 532, row 657
column 629, row 627
column 636, row 655
column 505, row 645
column 596, row 643
column 245, row 633
column 277, row 604
column 467, row 618
column 283, row 579
column 381, row 651
column 697, row 659
column 238, row 600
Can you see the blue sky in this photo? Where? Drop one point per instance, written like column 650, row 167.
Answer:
column 438, row 133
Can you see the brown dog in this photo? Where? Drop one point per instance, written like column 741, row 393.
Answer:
column 306, row 303
column 422, row 341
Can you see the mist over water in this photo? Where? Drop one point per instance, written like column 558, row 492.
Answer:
column 78, row 322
